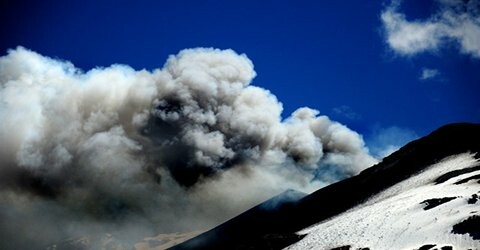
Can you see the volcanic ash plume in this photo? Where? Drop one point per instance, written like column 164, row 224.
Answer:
column 135, row 152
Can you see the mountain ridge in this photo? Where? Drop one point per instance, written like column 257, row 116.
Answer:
column 277, row 229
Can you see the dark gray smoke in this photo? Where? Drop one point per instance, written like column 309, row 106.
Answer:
column 135, row 153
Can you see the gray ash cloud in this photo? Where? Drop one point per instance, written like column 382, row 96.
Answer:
column 177, row 148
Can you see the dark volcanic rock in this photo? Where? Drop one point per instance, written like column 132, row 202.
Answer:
column 447, row 176
column 426, row 247
column 475, row 177
column 431, row 203
column 341, row 248
column 469, row 226
column 473, row 199
column 250, row 229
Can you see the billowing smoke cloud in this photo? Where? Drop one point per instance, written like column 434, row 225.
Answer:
column 140, row 152
column 456, row 20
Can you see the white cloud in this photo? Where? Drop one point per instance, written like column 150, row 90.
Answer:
column 455, row 21
column 429, row 73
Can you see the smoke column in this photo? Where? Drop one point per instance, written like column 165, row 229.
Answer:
column 134, row 153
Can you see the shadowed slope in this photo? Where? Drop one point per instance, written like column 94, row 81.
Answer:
column 275, row 228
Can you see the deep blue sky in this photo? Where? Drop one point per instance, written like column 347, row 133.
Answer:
column 328, row 55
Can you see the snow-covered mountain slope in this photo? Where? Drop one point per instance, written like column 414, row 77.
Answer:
column 424, row 194
column 419, row 211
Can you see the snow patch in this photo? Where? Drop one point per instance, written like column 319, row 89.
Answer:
column 395, row 219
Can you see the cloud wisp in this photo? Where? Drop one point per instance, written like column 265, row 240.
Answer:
column 455, row 22
column 347, row 112
column 132, row 153
column 428, row 74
